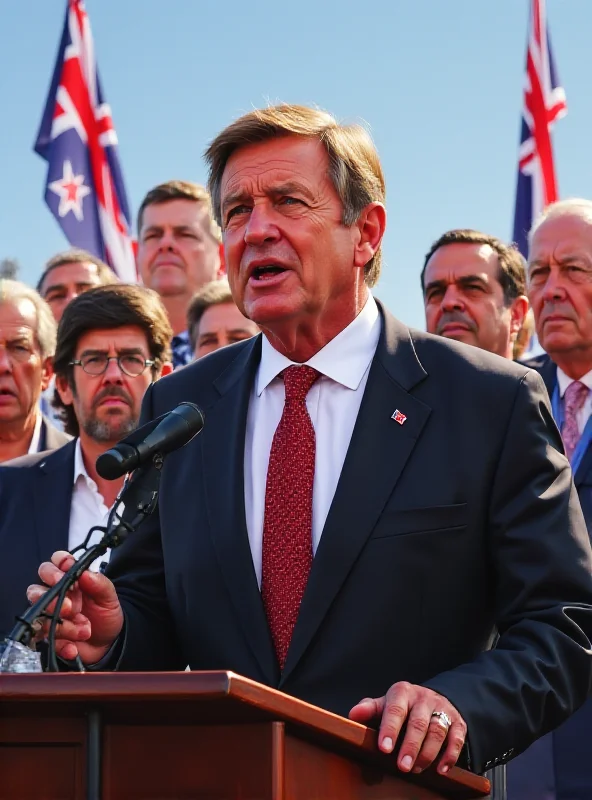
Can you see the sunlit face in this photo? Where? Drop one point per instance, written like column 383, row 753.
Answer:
column 464, row 299
column 62, row 284
column 288, row 254
column 107, row 406
column 177, row 253
column 221, row 324
column 24, row 373
column 560, row 283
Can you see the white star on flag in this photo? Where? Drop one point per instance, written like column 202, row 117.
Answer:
column 71, row 191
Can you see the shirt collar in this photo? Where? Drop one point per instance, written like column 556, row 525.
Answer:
column 563, row 381
column 79, row 467
column 36, row 440
column 344, row 359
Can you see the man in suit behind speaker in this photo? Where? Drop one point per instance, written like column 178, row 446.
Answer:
column 355, row 525
column 559, row 286
column 113, row 342
column 27, row 344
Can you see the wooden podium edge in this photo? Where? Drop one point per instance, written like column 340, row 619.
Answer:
column 140, row 687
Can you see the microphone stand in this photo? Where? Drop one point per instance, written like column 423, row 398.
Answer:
column 139, row 495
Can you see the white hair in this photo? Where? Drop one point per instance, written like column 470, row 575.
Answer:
column 15, row 291
column 572, row 205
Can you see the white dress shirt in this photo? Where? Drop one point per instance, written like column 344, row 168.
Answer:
column 87, row 509
column 333, row 404
column 563, row 381
column 36, row 440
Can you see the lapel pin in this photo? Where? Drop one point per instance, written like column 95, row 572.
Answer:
column 399, row 417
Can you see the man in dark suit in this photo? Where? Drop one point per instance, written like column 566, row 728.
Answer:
column 113, row 342
column 27, row 344
column 356, row 525
column 558, row 767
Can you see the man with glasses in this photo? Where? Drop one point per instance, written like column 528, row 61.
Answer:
column 27, row 344
column 113, row 342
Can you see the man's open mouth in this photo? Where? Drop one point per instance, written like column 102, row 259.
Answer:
column 262, row 273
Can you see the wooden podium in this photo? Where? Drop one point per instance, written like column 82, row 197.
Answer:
column 190, row 735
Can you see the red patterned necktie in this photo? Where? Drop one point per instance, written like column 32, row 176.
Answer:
column 574, row 399
column 287, row 525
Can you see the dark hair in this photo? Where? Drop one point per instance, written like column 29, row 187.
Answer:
column 179, row 190
column 512, row 272
column 109, row 307
column 212, row 294
column 77, row 256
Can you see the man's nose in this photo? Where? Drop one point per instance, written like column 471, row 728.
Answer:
column 554, row 288
column 5, row 361
column 167, row 241
column 260, row 227
column 113, row 373
column 452, row 299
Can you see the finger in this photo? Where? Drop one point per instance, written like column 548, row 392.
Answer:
column 432, row 744
column 98, row 588
column 75, row 630
column 63, row 560
column 394, row 714
column 454, row 744
column 70, row 606
column 66, row 650
column 367, row 709
column 418, row 724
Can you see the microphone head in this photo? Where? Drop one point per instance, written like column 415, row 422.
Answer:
column 113, row 463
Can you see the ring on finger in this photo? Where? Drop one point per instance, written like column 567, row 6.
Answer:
column 443, row 719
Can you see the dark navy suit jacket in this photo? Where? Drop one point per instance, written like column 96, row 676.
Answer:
column 441, row 535
column 35, row 497
column 559, row 766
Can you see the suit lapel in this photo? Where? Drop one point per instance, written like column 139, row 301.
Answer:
column 52, row 499
column 223, row 443
column 378, row 452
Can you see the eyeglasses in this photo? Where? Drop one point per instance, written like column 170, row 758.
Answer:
column 130, row 365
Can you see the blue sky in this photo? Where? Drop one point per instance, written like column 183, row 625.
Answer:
column 439, row 83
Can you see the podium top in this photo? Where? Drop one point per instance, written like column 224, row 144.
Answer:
column 221, row 697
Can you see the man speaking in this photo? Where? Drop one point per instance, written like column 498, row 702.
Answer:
column 369, row 509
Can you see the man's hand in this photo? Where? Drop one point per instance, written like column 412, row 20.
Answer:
column 425, row 736
column 91, row 614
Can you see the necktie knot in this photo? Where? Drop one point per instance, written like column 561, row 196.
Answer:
column 574, row 399
column 575, row 396
column 298, row 381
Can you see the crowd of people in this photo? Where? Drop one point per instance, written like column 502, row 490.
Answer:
column 407, row 462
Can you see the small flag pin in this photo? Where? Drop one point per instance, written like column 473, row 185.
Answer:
column 399, row 417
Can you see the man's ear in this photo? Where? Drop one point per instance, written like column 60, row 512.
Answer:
column 46, row 373
column 222, row 267
column 64, row 390
column 518, row 312
column 371, row 225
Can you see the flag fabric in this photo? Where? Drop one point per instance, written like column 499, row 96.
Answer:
column 544, row 103
column 84, row 186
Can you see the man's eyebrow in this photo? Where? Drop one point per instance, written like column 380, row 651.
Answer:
column 103, row 352
column 290, row 187
column 464, row 279
column 435, row 285
column 53, row 287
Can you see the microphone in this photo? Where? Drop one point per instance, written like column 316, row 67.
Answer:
column 163, row 435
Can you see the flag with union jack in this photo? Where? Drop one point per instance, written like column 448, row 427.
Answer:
column 84, row 187
column 544, row 103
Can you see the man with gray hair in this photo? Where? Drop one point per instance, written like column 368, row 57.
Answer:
column 559, row 286
column 27, row 345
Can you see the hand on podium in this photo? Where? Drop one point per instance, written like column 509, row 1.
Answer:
column 435, row 731
column 91, row 613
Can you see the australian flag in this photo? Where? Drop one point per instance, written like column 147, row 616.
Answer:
column 84, row 188
column 544, row 103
